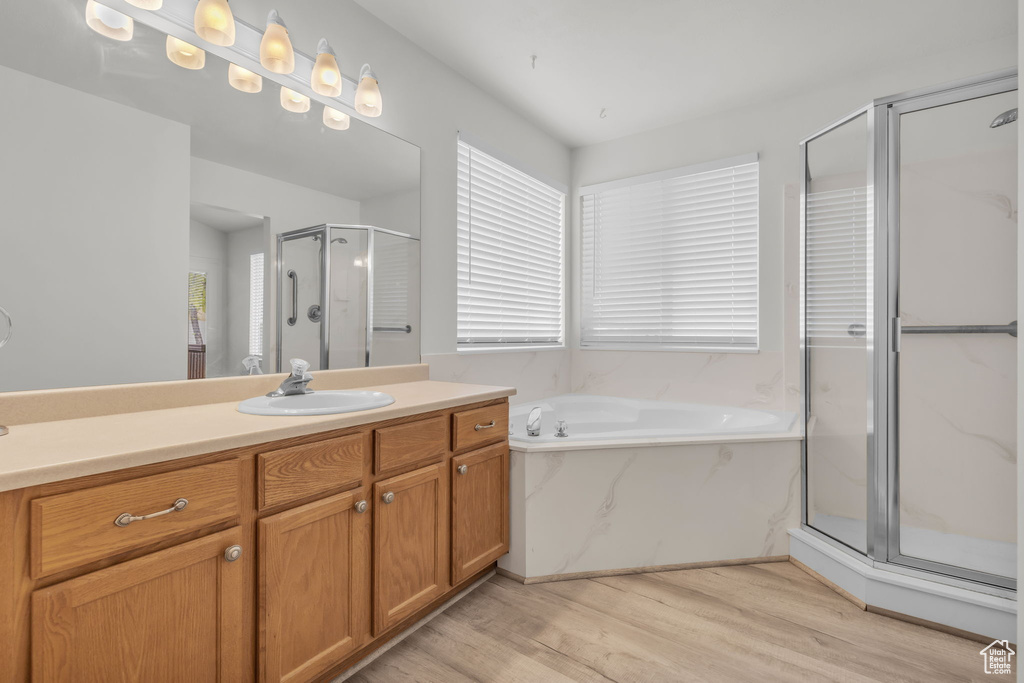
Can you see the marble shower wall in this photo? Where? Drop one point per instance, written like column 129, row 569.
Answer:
column 595, row 510
column 534, row 374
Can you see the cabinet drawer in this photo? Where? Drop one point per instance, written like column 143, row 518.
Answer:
column 73, row 529
column 416, row 443
column 478, row 427
column 303, row 471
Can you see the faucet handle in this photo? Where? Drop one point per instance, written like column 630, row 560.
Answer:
column 299, row 367
column 562, row 428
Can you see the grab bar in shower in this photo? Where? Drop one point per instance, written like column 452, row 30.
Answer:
column 1010, row 329
column 407, row 329
column 898, row 330
column 295, row 297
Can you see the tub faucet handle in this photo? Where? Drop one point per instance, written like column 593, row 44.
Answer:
column 562, row 428
column 533, row 422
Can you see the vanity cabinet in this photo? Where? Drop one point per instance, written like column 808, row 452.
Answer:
column 479, row 510
column 288, row 561
column 175, row 615
column 314, row 589
column 409, row 523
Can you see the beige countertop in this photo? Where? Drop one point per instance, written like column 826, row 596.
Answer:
column 39, row 453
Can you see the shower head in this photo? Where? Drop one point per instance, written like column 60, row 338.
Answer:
column 1004, row 118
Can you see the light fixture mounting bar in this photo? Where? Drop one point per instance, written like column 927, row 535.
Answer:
column 176, row 19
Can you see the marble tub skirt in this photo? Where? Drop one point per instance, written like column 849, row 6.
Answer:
column 634, row 507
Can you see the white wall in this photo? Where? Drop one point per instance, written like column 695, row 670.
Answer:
column 399, row 211
column 110, row 302
column 774, row 130
column 1020, row 346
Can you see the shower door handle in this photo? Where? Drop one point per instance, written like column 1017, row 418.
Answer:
column 295, row 298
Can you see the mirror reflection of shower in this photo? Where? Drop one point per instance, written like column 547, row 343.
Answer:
column 352, row 305
column 1006, row 117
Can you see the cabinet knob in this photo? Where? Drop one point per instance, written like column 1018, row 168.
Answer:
column 233, row 553
column 388, row 498
column 462, row 469
column 361, row 506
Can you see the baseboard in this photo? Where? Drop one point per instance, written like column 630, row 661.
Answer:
column 362, row 663
column 528, row 580
column 821, row 579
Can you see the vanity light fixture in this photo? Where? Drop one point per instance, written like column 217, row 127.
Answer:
column 146, row 4
column 326, row 78
column 336, row 119
column 108, row 22
column 244, row 80
column 368, row 100
column 276, row 53
column 185, row 55
column 214, row 22
column 294, row 101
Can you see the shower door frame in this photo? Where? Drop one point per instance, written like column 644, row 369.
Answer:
column 324, row 230
column 887, row 316
column 882, row 476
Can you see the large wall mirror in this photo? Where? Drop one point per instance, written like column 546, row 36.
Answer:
column 159, row 224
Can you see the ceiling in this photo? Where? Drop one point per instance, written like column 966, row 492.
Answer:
column 650, row 63
column 224, row 220
column 49, row 39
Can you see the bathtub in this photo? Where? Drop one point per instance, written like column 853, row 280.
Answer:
column 644, row 485
column 609, row 422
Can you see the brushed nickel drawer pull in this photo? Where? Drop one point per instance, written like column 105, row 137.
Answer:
column 479, row 427
column 126, row 518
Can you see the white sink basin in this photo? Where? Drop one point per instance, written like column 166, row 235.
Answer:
column 316, row 403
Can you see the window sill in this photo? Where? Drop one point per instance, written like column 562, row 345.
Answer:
column 508, row 348
column 663, row 348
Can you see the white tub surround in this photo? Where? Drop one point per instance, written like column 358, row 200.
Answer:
column 632, row 503
column 987, row 611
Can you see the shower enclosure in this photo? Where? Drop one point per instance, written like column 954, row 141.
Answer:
column 908, row 307
column 347, row 297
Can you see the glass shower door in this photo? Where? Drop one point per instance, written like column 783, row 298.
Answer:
column 300, row 300
column 954, row 394
column 837, row 275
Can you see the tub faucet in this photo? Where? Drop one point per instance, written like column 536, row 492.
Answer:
column 295, row 383
column 533, row 422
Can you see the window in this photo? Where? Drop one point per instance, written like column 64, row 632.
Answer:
column 510, row 244
column 256, row 304
column 838, row 254
column 669, row 260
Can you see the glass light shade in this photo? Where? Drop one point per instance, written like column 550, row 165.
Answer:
column 294, row 101
column 276, row 53
column 214, row 22
column 368, row 100
column 146, row 4
column 185, row 55
column 336, row 119
column 243, row 79
column 326, row 78
column 108, row 22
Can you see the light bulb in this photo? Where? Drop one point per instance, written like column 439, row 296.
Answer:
column 214, row 22
column 276, row 53
column 146, row 4
column 294, row 101
column 108, row 22
column 368, row 100
column 336, row 119
column 243, row 79
column 185, row 55
column 326, row 78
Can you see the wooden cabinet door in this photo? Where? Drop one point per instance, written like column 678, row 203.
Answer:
column 408, row 544
column 479, row 510
column 314, row 587
column 176, row 615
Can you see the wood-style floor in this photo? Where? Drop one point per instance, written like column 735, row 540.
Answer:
column 763, row 622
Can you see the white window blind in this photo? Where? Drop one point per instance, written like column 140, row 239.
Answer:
column 510, row 243
column 256, row 304
column 837, row 253
column 670, row 260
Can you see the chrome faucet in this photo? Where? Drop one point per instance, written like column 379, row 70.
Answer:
column 533, row 422
column 295, row 383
